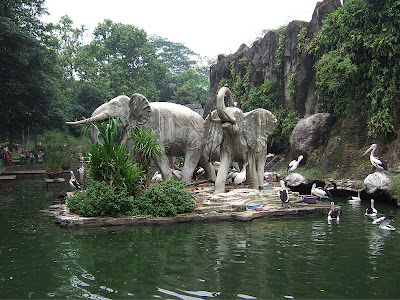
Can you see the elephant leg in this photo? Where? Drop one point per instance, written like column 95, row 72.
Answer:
column 191, row 160
column 163, row 164
column 223, row 170
column 252, row 174
column 260, row 166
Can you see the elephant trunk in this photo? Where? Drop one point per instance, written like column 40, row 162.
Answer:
column 223, row 112
column 98, row 118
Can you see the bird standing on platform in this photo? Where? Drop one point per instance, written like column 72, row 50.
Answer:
column 384, row 223
column 73, row 182
column 320, row 192
column 375, row 161
column 334, row 213
column 294, row 164
column 283, row 193
column 241, row 176
column 371, row 211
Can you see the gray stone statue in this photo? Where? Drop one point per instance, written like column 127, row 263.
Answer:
column 180, row 129
column 242, row 137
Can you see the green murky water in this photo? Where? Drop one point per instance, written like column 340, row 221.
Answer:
column 280, row 258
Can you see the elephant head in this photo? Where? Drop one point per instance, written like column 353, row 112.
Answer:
column 243, row 138
column 179, row 128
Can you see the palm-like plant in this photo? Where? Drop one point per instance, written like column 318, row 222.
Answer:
column 110, row 161
column 145, row 147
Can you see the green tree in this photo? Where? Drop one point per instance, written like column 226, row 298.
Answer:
column 29, row 75
column 121, row 59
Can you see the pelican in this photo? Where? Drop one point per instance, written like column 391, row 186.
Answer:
column 376, row 161
column 294, row 164
column 241, row 176
column 355, row 199
column 320, row 192
column 371, row 211
column 283, row 193
column 157, row 177
column 177, row 174
column 73, row 182
column 384, row 223
column 334, row 213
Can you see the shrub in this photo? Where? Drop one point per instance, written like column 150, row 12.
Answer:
column 166, row 199
column 101, row 199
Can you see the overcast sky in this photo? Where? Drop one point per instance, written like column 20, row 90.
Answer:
column 207, row 27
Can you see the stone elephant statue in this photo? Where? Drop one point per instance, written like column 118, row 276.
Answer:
column 242, row 137
column 180, row 129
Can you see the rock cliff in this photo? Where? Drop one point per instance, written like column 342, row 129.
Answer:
column 297, row 75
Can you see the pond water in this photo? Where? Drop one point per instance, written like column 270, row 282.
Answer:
column 271, row 258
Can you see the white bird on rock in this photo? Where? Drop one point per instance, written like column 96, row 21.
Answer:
column 241, row 176
column 384, row 223
column 283, row 193
column 157, row 177
column 294, row 164
column 73, row 182
column 334, row 213
column 371, row 211
column 375, row 161
column 320, row 192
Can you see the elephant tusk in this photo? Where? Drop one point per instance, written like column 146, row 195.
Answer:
column 99, row 118
column 215, row 121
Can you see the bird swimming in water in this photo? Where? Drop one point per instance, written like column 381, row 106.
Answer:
column 375, row 161
column 355, row 199
column 384, row 223
column 294, row 164
column 283, row 193
column 334, row 213
column 371, row 211
column 320, row 192
column 73, row 182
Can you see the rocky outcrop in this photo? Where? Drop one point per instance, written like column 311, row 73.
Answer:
column 297, row 77
column 310, row 133
column 376, row 181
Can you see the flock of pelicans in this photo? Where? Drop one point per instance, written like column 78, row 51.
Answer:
column 239, row 177
column 334, row 213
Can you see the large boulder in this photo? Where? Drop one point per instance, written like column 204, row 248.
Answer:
column 309, row 133
column 376, row 181
column 295, row 179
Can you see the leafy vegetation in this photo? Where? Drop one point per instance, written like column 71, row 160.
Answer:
column 109, row 161
column 166, row 199
column 145, row 148
column 101, row 199
column 358, row 63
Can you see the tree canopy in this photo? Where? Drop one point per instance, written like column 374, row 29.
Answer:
column 50, row 75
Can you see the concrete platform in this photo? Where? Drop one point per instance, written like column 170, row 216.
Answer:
column 209, row 208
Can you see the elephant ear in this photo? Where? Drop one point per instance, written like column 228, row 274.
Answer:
column 139, row 110
column 258, row 125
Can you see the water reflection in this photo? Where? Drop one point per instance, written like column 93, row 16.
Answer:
column 274, row 258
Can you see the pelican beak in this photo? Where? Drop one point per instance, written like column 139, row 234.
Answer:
column 369, row 149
